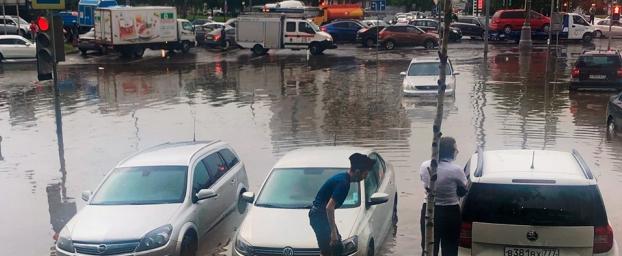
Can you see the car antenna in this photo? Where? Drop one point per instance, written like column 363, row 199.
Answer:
column 194, row 128
column 533, row 156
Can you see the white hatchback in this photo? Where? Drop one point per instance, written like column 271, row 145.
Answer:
column 161, row 201
column 277, row 223
column 533, row 202
column 422, row 76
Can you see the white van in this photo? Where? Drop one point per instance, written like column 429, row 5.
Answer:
column 263, row 32
column 575, row 27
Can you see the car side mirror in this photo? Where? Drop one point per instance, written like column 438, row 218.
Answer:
column 403, row 73
column 206, row 194
column 249, row 197
column 86, row 195
column 378, row 198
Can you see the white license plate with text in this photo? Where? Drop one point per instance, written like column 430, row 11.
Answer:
column 516, row 251
column 598, row 76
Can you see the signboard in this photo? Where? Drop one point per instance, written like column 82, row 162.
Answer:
column 48, row 4
column 13, row 2
column 378, row 5
column 556, row 22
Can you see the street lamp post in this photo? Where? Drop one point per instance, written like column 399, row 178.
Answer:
column 525, row 33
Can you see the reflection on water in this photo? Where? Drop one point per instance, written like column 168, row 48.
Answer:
column 265, row 108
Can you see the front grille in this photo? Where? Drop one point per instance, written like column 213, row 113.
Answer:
column 265, row 251
column 106, row 248
column 426, row 87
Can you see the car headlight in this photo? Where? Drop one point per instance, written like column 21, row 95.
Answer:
column 243, row 247
column 64, row 241
column 350, row 245
column 156, row 238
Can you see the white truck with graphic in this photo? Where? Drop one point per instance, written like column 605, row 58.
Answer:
column 131, row 30
column 263, row 32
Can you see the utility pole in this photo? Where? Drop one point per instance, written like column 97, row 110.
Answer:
column 436, row 129
column 486, row 30
column 525, row 33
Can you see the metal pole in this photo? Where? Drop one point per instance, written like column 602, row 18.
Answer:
column 610, row 23
column 19, row 20
column 54, row 63
column 548, row 41
column 4, row 16
column 486, row 30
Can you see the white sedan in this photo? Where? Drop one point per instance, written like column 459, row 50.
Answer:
column 421, row 78
column 601, row 29
column 16, row 47
column 277, row 222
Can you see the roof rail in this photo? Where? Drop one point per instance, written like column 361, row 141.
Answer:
column 584, row 167
column 480, row 162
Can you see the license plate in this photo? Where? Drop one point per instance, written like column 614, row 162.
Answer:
column 515, row 251
column 598, row 76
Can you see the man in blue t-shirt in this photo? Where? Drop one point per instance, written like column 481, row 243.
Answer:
column 330, row 197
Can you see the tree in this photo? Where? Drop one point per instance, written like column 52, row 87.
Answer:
column 436, row 129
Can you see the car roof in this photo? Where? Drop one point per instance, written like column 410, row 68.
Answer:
column 602, row 52
column 316, row 157
column 11, row 37
column 427, row 60
column 514, row 167
column 177, row 153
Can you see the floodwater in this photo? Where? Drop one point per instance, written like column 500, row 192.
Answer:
column 267, row 106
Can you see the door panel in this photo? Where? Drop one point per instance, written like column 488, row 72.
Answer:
column 383, row 213
column 206, row 216
column 221, row 183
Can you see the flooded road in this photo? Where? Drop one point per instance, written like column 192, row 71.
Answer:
column 267, row 106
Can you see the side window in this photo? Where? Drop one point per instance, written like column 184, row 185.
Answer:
column 201, row 178
column 290, row 27
column 6, row 41
column 20, row 42
column 412, row 30
column 579, row 20
column 230, row 158
column 186, row 26
column 375, row 176
column 400, row 29
column 216, row 167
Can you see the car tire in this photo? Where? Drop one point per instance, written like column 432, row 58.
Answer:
column 428, row 44
column 369, row 42
column 389, row 45
column 315, row 49
column 394, row 217
column 139, row 51
column 587, row 38
column 546, row 27
column 83, row 51
column 612, row 129
column 185, row 47
column 258, row 50
column 371, row 248
column 189, row 245
column 1, row 57
column 507, row 30
column 226, row 45
column 598, row 34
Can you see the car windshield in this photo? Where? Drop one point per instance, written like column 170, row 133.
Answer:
column 598, row 61
column 426, row 69
column 535, row 205
column 296, row 188
column 143, row 185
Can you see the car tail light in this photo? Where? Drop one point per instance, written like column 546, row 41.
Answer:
column 620, row 72
column 466, row 234
column 323, row 28
column 603, row 239
column 576, row 72
column 363, row 30
column 217, row 37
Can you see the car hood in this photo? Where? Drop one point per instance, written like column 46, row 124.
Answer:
column 270, row 227
column 426, row 80
column 105, row 223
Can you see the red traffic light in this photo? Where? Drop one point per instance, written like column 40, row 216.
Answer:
column 43, row 24
column 616, row 9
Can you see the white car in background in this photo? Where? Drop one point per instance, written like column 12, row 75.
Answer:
column 161, row 201
column 277, row 222
column 16, row 47
column 422, row 76
column 601, row 29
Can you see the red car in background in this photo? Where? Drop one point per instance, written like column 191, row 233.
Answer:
column 507, row 21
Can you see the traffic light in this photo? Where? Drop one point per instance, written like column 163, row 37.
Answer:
column 50, row 46
column 616, row 13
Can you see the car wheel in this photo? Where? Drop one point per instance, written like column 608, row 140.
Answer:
column 242, row 205
column 139, row 51
column 587, row 38
column 394, row 218
column 507, row 30
column 258, row 50
column 371, row 248
column 389, row 45
column 189, row 245
column 546, row 27
column 598, row 34
column 370, row 42
column 611, row 127
column 1, row 57
column 315, row 49
column 428, row 44
column 185, row 47
column 83, row 51
column 226, row 45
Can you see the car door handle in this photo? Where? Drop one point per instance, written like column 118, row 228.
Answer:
column 574, row 26
column 233, row 181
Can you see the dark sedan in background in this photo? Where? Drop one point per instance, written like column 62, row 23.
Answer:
column 202, row 30
column 470, row 26
column 219, row 39
column 368, row 36
column 430, row 25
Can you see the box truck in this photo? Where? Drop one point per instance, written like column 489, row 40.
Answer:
column 131, row 30
column 267, row 31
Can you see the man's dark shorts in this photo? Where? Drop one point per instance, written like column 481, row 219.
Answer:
column 321, row 227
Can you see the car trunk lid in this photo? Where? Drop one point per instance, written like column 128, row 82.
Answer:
column 598, row 67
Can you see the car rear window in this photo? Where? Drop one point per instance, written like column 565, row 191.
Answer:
column 543, row 205
column 598, row 61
